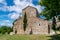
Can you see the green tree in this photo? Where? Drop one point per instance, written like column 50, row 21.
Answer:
column 25, row 21
column 59, row 18
column 51, row 10
column 14, row 21
column 5, row 29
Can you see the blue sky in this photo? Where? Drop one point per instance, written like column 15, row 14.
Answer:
column 10, row 10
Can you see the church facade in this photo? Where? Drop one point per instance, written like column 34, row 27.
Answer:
column 35, row 24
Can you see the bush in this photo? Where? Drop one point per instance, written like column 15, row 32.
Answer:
column 5, row 29
column 58, row 28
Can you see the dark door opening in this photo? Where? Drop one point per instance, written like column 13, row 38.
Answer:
column 48, row 29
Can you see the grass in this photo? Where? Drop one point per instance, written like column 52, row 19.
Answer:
column 23, row 37
column 29, row 37
column 55, row 37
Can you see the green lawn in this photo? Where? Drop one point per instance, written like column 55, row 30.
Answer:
column 29, row 37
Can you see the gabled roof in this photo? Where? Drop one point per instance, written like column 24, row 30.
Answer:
column 29, row 6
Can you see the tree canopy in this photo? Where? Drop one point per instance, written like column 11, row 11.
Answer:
column 5, row 29
column 25, row 21
column 51, row 8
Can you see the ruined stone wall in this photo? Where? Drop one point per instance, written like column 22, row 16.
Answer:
column 37, row 26
column 34, row 23
column 40, row 26
column 18, row 26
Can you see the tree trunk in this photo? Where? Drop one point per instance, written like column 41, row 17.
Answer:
column 54, row 24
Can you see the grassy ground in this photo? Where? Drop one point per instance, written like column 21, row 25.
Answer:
column 29, row 37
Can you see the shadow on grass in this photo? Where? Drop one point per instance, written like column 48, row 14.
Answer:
column 55, row 37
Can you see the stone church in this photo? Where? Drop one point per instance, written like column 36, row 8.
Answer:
column 35, row 24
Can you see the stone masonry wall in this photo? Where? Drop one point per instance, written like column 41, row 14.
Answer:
column 34, row 23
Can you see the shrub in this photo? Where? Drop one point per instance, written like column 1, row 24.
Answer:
column 5, row 29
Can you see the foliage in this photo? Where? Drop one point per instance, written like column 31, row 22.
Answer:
column 54, row 24
column 5, row 29
column 25, row 21
column 55, row 37
column 58, row 28
column 59, row 18
column 14, row 21
column 51, row 10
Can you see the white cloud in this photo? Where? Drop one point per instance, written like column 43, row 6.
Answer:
column 13, row 15
column 39, row 8
column 4, row 6
column 39, row 0
column 15, row 8
column 19, row 5
column 3, row 2
column 6, row 23
column 2, row 24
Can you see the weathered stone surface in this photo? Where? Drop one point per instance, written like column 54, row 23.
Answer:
column 34, row 23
